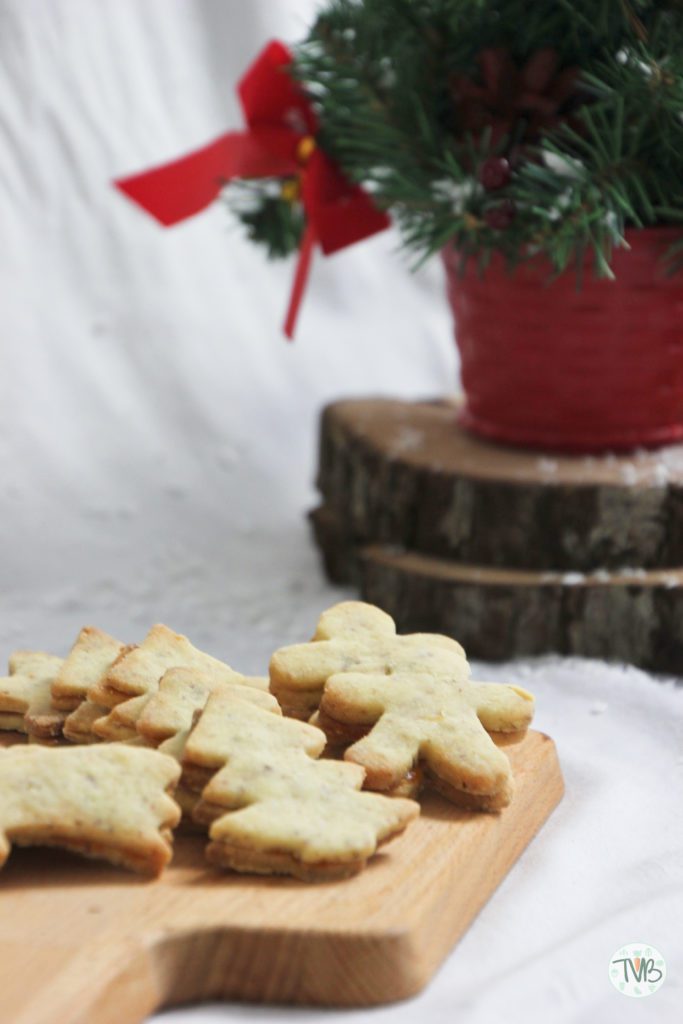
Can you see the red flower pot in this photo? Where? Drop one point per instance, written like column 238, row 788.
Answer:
column 549, row 364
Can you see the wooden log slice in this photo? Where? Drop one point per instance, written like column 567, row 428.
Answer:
column 633, row 616
column 404, row 473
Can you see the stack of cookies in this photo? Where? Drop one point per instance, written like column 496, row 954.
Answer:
column 242, row 755
column 403, row 707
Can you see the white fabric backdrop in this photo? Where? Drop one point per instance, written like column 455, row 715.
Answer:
column 157, row 441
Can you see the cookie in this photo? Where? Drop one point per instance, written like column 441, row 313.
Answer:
column 25, row 696
column 107, row 801
column 119, row 723
column 106, row 696
column 86, row 663
column 170, row 713
column 138, row 672
column 186, row 796
column 272, row 807
column 440, row 723
column 354, row 636
column 340, row 736
column 183, row 692
column 78, row 726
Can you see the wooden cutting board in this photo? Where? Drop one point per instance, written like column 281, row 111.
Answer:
column 83, row 943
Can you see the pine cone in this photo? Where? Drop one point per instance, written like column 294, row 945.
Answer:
column 515, row 102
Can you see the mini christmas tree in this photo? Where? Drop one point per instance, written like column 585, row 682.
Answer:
column 495, row 124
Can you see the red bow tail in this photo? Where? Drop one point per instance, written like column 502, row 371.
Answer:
column 279, row 116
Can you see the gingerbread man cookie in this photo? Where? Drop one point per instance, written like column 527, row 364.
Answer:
column 404, row 706
column 355, row 636
column 439, row 723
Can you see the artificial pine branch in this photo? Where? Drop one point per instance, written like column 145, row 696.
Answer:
column 269, row 219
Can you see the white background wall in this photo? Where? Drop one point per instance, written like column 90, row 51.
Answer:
column 143, row 370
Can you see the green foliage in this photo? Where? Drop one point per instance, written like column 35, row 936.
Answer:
column 267, row 218
column 386, row 79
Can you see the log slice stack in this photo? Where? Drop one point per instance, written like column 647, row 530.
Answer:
column 512, row 552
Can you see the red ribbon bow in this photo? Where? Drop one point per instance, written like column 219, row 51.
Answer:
column 279, row 141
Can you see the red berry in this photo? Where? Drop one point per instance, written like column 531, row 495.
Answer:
column 500, row 217
column 494, row 173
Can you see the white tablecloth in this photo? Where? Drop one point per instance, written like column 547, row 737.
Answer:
column 157, row 442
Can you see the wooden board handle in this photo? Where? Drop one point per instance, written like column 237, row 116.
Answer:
column 102, row 984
